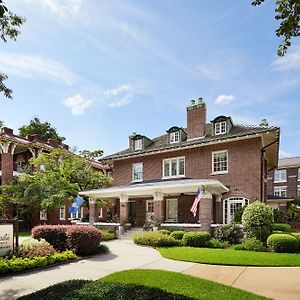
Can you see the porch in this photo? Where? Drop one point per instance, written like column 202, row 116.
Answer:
column 164, row 202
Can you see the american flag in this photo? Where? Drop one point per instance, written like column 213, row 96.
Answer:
column 194, row 207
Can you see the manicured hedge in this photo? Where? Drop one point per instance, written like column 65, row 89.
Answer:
column 164, row 231
column 16, row 264
column 297, row 236
column 80, row 238
column 107, row 235
column 196, row 239
column 284, row 243
column 155, row 239
column 83, row 290
column 251, row 244
column 177, row 235
column 282, row 227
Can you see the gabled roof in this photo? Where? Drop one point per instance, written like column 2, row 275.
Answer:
column 289, row 162
column 161, row 143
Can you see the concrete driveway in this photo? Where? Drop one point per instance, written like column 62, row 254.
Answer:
column 277, row 283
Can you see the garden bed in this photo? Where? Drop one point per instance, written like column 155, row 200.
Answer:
column 231, row 257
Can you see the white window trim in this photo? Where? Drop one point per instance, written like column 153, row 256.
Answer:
column 76, row 215
column 139, row 143
column 281, row 188
column 100, row 213
column 277, row 181
column 167, row 209
column 132, row 177
column 43, row 215
column 170, row 167
column 62, row 208
column 212, row 162
column 220, row 125
column 173, row 135
column 233, row 199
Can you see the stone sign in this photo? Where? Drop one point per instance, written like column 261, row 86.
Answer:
column 6, row 238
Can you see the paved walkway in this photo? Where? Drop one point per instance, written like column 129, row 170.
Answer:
column 277, row 283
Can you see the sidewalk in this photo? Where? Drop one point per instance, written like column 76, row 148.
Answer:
column 277, row 283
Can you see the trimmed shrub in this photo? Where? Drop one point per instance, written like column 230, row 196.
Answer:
column 164, row 231
column 83, row 239
column 32, row 248
column 257, row 221
column 177, row 235
column 16, row 264
column 231, row 233
column 283, row 243
column 107, row 235
column 155, row 239
column 297, row 236
column 251, row 244
column 218, row 244
column 55, row 235
column 84, row 289
column 282, row 227
column 196, row 239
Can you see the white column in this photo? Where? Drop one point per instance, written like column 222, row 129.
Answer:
column 159, row 212
column 92, row 206
column 123, row 208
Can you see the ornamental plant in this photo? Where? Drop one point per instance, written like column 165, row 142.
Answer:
column 196, row 239
column 231, row 233
column 257, row 221
column 33, row 248
column 285, row 243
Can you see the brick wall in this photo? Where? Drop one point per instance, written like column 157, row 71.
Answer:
column 7, row 166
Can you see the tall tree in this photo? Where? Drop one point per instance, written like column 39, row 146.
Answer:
column 93, row 155
column 9, row 24
column 44, row 129
column 288, row 12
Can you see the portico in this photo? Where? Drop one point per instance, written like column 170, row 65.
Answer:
column 163, row 201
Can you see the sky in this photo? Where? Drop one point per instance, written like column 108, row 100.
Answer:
column 99, row 70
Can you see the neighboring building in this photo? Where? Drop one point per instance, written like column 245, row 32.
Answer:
column 15, row 152
column 284, row 182
column 159, row 177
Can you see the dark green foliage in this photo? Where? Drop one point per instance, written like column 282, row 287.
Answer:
column 177, row 235
column 251, row 244
column 155, row 239
column 238, row 215
column 89, row 290
column 94, row 155
column 196, row 239
column 280, row 216
column 297, row 236
column 218, row 244
column 231, row 233
column 282, row 227
column 283, row 243
column 164, row 231
column 257, row 221
column 44, row 129
column 16, row 264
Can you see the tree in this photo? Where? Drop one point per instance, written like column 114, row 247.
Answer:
column 288, row 11
column 9, row 23
column 44, row 129
column 92, row 155
column 62, row 176
column 1, row 124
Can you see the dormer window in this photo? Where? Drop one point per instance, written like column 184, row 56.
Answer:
column 174, row 137
column 138, row 144
column 220, row 128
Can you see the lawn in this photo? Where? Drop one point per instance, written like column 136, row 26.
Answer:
column 24, row 233
column 180, row 284
column 230, row 257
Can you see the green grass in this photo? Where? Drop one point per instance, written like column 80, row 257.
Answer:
column 24, row 233
column 180, row 284
column 230, row 257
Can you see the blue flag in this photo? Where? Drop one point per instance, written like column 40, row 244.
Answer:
column 76, row 204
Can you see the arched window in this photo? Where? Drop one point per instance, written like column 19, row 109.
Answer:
column 230, row 206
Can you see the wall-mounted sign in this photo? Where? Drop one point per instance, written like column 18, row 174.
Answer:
column 6, row 238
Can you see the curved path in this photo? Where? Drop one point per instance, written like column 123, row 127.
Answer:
column 276, row 283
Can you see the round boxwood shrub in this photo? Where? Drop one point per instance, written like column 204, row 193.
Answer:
column 155, row 239
column 257, row 221
column 164, row 231
column 284, row 243
column 177, row 235
column 297, row 236
column 282, row 227
column 196, row 239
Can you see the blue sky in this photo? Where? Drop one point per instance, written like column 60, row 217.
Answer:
column 100, row 69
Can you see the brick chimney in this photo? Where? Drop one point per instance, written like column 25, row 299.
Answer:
column 36, row 138
column 196, row 119
column 6, row 130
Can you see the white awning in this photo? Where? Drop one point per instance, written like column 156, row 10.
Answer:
column 163, row 187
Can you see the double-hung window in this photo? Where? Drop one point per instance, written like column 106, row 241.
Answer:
column 62, row 213
column 280, row 176
column 174, row 167
column 138, row 144
column 137, row 172
column 280, row 191
column 174, row 137
column 220, row 127
column 220, row 162
column 78, row 215
column 43, row 214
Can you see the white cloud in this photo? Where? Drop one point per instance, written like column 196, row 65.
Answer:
column 34, row 66
column 126, row 28
column 119, row 96
column 291, row 61
column 210, row 72
column 62, row 8
column 224, row 99
column 284, row 154
column 77, row 104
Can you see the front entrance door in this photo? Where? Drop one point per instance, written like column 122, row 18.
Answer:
column 132, row 212
column 231, row 205
column 149, row 210
column 172, row 210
